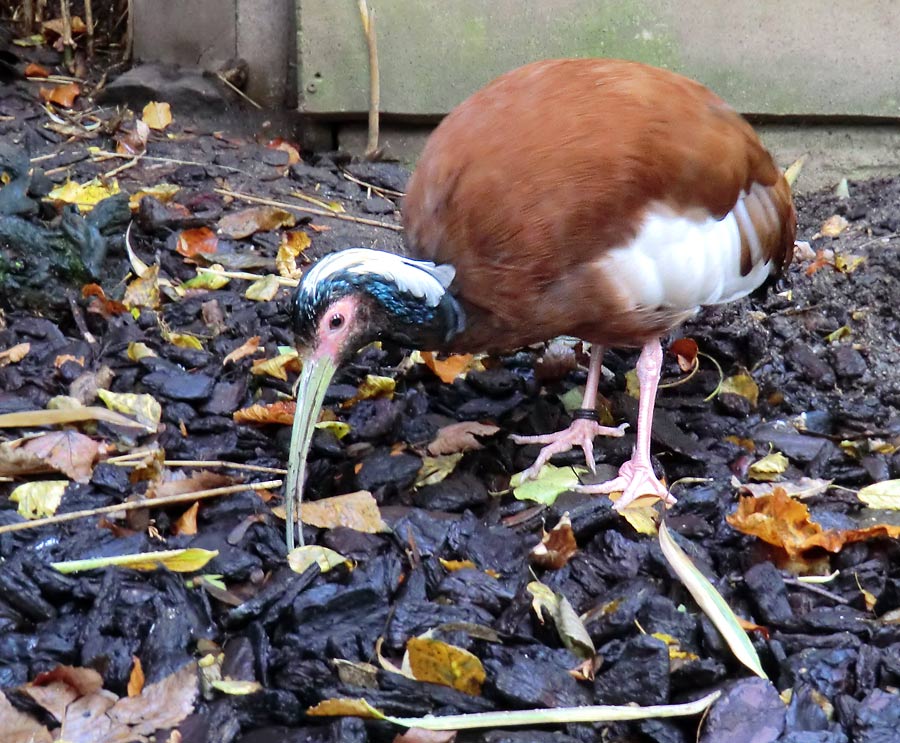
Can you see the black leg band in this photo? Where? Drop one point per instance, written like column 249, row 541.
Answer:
column 585, row 414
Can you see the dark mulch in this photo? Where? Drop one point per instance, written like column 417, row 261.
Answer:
column 838, row 661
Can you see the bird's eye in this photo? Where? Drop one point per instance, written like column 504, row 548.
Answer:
column 336, row 321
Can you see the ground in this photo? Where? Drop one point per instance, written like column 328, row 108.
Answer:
column 821, row 349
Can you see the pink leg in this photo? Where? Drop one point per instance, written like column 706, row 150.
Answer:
column 581, row 432
column 636, row 476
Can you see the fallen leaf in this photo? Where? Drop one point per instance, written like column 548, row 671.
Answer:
column 157, row 115
column 280, row 413
column 56, row 26
column 186, row 525
column 32, row 418
column 18, row 727
column 137, row 351
column 449, row 368
column 741, row 384
column 454, row 565
column 179, row 561
column 848, row 263
column 642, row 518
column 293, row 243
column 833, row 226
column 40, row 498
column 162, row 192
column 184, row 340
column 69, row 452
column 344, row 707
column 206, row 281
column 436, row 662
column 550, row 482
column 786, row 523
column 292, row 151
column 769, row 468
column 145, row 408
column 685, row 350
column 805, row 487
column 61, row 95
column 35, row 70
column 100, row 303
column 338, row 428
column 372, row 386
column 86, row 195
column 458, row 437
column 357, row 511
column 836, row 335
column 144, row 290
column 556, row 547
column 568, row 625
column 136, row 678
column 196, row 241
column 14, row 354
column 277, row 366
column 263, row 290
column 419, row 735
column 247, row 348
column 177, row 484
column 437, row 469
column 237, row 688
column 244, row 223
column 632, row 384
column 883, row 495
column 301, row 558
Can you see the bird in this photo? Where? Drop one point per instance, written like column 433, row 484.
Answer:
column 602, row 199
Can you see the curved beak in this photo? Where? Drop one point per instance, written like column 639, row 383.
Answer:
column 318, row 370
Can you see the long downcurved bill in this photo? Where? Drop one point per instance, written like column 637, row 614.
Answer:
column 314, row 379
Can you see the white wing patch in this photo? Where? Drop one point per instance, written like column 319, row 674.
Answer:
column 681, row 263
column 421, row 279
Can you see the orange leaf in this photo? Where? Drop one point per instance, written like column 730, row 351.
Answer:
column 685, row 350
column 136, row 679
column 61, row 95
column 197, row 240
column 157, row 115
column 36, row 70
column 784, row 522
column 450, row 368
column 248, row 348
column 277, row 412
column 556, row 547
column 280, row 144
column 55, row 26
column 101, row 305
column 187, row 522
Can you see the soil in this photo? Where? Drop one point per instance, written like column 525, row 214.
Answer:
column 823, row 349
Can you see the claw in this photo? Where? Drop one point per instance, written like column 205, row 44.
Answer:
column 635, row 479
column 580, row 433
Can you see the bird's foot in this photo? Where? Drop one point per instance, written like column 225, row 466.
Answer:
column 635, row 479
column 581, row 433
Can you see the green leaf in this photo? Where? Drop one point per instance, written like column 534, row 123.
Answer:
column 710, row 601
column 546, row 487
column 179, row 561
column 884, row 495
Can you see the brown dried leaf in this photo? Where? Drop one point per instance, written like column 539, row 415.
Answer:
column 833, row 226
column 784, row 522
column 136, row 678
column 100, row 304
column 556, row 547
column 186, row 525
column 247, row 348
column 277, row 366
column 69, row 452
column 61, row 95
column 177, row 484
column 293, row 151
column 418, row 735
column 18, row 727
column 281, row 413
column 357, row 511
column 133, row 141
column 255, row 219
column 14, row 354
column 195, row 241
column 157, row 115
column 35, row 70
column 685, row 350
column 459, row 437
column 55, row 26
column 15, row 461
column 436, row 662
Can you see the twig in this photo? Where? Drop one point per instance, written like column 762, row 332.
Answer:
column 68, row 42
column 816, row 589
column 220, row 463
column 368, row 22
column 237, row 90
column 143, row 503
column 307, row 210
column 89, row 27
column 377, row 189
column 28, row 12
column 101, row 155
column 78, row 317
column 125, row 166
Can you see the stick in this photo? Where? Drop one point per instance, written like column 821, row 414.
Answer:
column 68, row 42
column 89, row 27
column 307, row 210
column 368, row 21
column 237, row 90
column 377, row 189
column 144, row 503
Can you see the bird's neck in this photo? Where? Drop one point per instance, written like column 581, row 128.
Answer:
column 431, row 328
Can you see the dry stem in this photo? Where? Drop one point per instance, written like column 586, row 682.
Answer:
column 368, row 21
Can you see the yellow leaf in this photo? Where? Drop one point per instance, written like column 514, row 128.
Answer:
column 839, row 334
column 338, row 428
column 157, row 115
column 848, row 263
column 549, row 483
column 454, row 565
column 14, row 354
column 642, row 519
column 884, row 495
column 162, row 192
column 301, row 558
column 632, row 385
column 145, row 408
column 236, row 688
column 436, row 662
column 144, row 290
column 769, row 467
column 184, row 340
column 372, row 386
column 255, row 219
column 85, row 195
column 292, row 245
column 277, row 366
column 179, row 561
column 263, row 290
column 741, row 384
column 138, row 351
column 208, row 280
column 436, row 469
column 345, row 707
column 833, row 226
column 39, row 499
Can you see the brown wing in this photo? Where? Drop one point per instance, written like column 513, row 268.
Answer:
column 538, row 174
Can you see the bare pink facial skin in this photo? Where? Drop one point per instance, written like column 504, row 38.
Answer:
column 335, row 328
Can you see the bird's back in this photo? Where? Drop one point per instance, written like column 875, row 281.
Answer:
column 597, row 198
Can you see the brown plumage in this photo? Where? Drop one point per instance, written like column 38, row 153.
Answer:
column 529, row 181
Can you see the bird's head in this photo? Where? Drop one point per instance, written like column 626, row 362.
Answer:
column 349, row 299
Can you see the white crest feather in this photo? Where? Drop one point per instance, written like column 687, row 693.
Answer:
column 421, row 279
